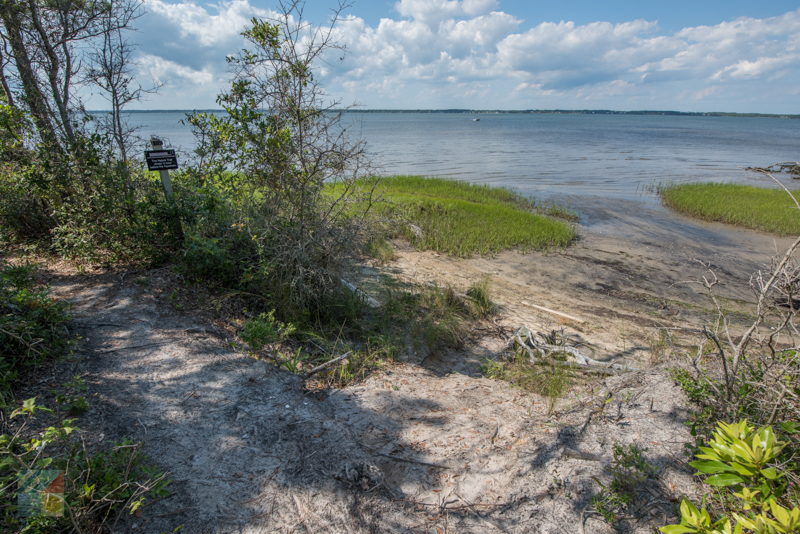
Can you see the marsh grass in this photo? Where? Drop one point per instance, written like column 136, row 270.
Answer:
column 464, row 219
column 768, row 210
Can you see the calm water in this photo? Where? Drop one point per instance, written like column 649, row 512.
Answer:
column 592, row 163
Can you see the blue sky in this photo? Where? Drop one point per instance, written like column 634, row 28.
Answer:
column 503, row 54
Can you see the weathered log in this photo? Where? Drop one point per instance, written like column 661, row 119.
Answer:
column 536, row 350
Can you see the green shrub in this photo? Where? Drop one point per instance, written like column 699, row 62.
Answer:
column 749, row 467
column 98, row 486
column 266, row 329
column 32, row 326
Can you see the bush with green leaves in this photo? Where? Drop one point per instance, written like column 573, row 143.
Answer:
column 272, row 156
column 749, row 468
column 32, row 325
column 99, row 486
column 266, row 329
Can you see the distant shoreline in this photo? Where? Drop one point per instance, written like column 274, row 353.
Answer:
column 516, row 112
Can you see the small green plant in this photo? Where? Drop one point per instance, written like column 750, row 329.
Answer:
column 742, row 461
column 479, row 298
column 265, row 329
column 72, row 397
column 32, row 326
column 98, row 486
column 548, row 379
column 629, row 470
column 493, row 369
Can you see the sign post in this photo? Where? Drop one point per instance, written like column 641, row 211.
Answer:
column 163, row 160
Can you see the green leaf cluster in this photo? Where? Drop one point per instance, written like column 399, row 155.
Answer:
column 98, row 485
column 743, row 459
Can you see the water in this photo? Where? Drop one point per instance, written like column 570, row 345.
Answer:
column 596, row 164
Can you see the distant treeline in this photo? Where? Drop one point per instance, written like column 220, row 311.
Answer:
column 523, row 111
column 580, row 112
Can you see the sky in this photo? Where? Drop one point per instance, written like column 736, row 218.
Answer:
column 685, row 55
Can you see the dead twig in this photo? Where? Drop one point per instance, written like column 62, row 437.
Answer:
column 327, row 364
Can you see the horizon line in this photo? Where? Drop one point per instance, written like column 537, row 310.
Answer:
column 495, row 111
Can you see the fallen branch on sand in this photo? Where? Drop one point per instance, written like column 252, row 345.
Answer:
column 536, row 350
column 327, row 364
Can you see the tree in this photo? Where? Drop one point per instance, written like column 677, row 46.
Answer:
column 282, row 148
column 111, row 72
column 50, row 43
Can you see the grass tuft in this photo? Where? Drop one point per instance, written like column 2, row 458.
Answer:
column 479, row 298
column 768, row 210
column 549, row 379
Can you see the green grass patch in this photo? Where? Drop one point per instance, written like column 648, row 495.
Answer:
column 768, row 210
column 464, row 219
column 549, row 379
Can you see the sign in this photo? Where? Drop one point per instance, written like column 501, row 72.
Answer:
column 161, row 160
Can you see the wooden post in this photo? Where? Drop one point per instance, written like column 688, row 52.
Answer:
column 163, row 160
column 166, row 182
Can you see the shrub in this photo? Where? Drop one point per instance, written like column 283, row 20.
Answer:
column 98, row 486
column 32, row 325
column 273, row 152
column 266, row 329
column 749, row 466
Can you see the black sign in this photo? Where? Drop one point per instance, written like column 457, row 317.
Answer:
column 161, row 160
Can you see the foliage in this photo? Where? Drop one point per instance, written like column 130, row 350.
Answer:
column 271, row 155
column 98, row 486
column 746, row 462
column 769, row 210
column 83, row 203
column 549, row 379
column 629, row 470
column 63, row 185
column 381, row 250
column 265, row 329
column 32, row 325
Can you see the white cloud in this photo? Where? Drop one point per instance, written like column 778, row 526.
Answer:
column 439, row 52
column 757, row 68
column 164, row 71
column 195, row 22
column 434, row 11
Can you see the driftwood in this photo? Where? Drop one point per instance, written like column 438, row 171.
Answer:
column 553, row 312
column 536, row 350
column 327, row 364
